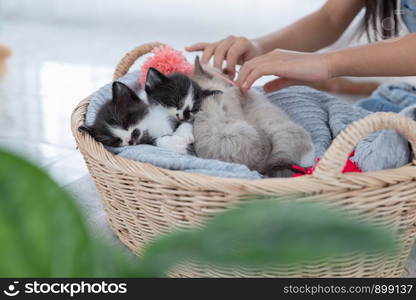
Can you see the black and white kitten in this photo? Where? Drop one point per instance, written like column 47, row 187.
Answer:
column 178, row 93
column 128, row 120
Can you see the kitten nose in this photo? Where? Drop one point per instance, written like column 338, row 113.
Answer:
column 131, row 142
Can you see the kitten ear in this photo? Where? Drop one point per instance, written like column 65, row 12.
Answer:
column 199, row 70
column 86, row 129
column 122, row 94
column 153, row 78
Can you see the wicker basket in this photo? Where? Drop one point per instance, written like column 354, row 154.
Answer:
column 143, row 201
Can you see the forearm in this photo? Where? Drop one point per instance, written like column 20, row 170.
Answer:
column 309, row 34
column 315, row 31
column 387, row 58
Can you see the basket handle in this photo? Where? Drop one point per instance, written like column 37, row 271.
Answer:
column 334, row 158
column 130, row 58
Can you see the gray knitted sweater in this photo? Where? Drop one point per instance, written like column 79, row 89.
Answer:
column 325, row 116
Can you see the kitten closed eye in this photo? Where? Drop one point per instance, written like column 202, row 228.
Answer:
column 178, row 93
column 116, row 120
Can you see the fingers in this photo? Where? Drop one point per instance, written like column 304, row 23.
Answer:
column 232, row 50
column 255, row 74
column 256, row 68
column 208, row 48
column 234, row 55
column 208, row 52
column 220, row 52
column 244, row 71
column 250, row 70
column 281, row 83
column 196, row 47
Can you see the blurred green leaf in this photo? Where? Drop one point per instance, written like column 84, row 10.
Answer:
column 42, row 233
column 264, row 233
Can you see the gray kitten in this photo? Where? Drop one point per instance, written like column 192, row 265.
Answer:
column 247, row 129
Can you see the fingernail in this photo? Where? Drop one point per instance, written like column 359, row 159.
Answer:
column 244, row 86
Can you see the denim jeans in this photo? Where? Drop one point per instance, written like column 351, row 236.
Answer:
column 390, row 98
column 408, row 13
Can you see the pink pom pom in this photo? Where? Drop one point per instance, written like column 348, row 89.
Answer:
column 167, row 61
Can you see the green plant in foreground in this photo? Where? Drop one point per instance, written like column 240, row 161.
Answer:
column 42, row 234
column 265, row 233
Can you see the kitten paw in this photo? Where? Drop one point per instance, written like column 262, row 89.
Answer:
column 174, row 143
column 185, row 130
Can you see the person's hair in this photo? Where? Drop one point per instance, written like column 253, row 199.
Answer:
column 381, row 19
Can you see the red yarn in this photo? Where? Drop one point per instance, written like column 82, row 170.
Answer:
column 349, row 166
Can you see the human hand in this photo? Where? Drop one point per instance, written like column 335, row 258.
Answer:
column 292, row 68
column 234, row 50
